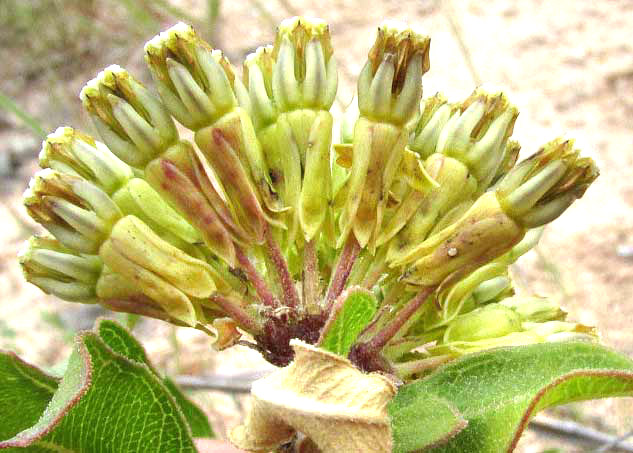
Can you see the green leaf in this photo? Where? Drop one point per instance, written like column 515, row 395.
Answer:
column 498, row 391
column 25, row 387
column 197, row 420
column 109, row 400
column 353, row 310
column 122, row 342
column 407, row 407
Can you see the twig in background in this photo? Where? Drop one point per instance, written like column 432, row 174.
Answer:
column 140, row 16
column 213, row 12
column 576, row 431
column 456, row 29
column 179, row 13
column 554, row 271
column 259, row 6
column 290, row 10
column 6, row 103
column 615, row 443
column 234, row 383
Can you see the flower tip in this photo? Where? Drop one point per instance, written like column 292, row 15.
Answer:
column 399, row 39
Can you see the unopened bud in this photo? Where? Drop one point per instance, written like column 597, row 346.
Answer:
column 163, row 272
column 78, row 213
column 535, row 309
column 58, row 270
column 389, row 86
column 194, row 81
column 436, row 112
column 130, row 119
column 304, row 74
column 69, row 151
column 543, row 186
column 491, row 321
column 477, row 134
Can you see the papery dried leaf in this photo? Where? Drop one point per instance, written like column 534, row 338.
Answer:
column 323, row 396
column 227, row 333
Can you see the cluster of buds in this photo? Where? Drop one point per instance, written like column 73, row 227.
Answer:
column 259, row 225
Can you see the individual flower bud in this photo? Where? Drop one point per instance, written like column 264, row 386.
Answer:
column 490, row 290
column 389, row 86
column 542, row 186
column 350, row 116
column 181, row 178
column 482, row 234
column 377, row 155
column 163, row 272
column 304, row 74
column 258, row 78
column 529, row 241
column 436, row 112
column 389, row 92
column 138, row 198
column 69, row 151
column 459, row 348
column 194, row 81
column 535, row 309
column 58, row 270
column 420, row 211
column 279, row 147
column 293, row 100
column 478, row 132
column 456, row 299
column 130, row 119
column 196, row 84
column 555, row 331
column 222, row 148
column 78, row 213
column 490, row 321
column 508, row 161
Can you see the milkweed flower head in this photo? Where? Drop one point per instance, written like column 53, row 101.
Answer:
column 261, row 226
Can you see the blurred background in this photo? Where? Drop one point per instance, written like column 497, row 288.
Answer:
column 567, row 65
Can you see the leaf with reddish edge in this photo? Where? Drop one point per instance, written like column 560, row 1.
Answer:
column 109, row 400
column 498, row 391
column 25, row 387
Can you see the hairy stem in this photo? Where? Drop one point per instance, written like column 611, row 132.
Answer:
column 232, row 308
column 291, row 296
column 367, row 355
column 261, row 288
column 343, row 269
column 310, row 275
column 407, row 369
column 391, row 329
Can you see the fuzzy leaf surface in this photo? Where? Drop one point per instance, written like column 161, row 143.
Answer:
column 353, row 311
column 24, row 394
column 408, row 407
column 109, row 400
column 120, row 340
column 498, row 391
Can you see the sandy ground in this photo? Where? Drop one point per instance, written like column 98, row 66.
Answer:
column 567, row 64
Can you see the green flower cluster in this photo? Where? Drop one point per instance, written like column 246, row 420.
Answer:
column 260, row 223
